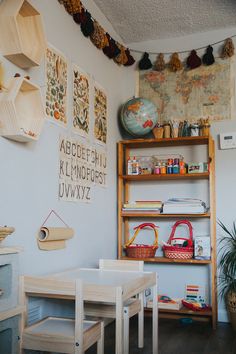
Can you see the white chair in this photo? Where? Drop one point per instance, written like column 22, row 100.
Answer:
column 61, row 335
column 131, row 307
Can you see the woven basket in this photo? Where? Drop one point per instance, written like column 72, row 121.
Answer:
column 139, row 250
column 178, row 252
column 5, row 231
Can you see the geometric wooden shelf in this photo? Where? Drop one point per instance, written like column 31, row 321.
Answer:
column 21, row 111
column 22, row 39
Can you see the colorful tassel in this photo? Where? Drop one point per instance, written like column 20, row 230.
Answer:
column 208, row 57
column 72, row 6
column 98, row 37
column 87, row 26
column 111, row 50
column 79, row 17
column 228, row 49
column 121, row 58
column 145, row 62
column 193, row 61
column 130, row 58
column 175, row 63
column 159, row 64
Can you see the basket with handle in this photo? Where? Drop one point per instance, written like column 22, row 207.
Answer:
column 141, row 250
column 174, row 250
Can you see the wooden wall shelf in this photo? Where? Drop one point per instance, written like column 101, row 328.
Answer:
column 22, row 38
column 21, row 111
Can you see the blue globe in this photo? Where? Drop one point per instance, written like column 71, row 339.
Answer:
column 138, row 116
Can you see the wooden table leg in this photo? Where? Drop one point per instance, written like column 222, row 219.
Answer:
column 155, row 321
column 119, row 321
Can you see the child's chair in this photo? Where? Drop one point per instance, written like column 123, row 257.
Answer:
column 131, row 307
column 54, row 334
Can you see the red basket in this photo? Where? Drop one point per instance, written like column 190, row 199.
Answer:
column 179, row 252
column 139, row 250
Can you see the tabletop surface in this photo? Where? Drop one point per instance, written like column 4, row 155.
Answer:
column 101, row 276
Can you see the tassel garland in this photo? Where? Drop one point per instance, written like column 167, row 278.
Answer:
column 121, row 54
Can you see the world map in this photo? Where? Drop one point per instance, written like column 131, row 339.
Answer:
column 205, row 92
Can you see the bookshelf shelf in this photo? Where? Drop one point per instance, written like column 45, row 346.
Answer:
column 127, row 187
column 183, row 313
column 163, row 216
column 168, row 260
column 203, row 175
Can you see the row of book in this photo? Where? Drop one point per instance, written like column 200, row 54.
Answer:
column 171, row 206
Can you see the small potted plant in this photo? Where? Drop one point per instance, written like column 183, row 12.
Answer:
column 227, row 270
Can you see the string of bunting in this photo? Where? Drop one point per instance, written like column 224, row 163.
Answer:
column 121, row 54
column 98, row 36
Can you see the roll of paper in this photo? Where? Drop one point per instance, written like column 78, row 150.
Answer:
column 53, row 238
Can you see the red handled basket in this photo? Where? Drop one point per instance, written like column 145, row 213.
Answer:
column 140, row 250
column 179, row 252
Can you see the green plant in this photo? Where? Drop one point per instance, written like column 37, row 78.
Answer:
column 227, row 264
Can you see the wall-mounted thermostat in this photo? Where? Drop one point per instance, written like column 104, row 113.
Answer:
column 228, row 140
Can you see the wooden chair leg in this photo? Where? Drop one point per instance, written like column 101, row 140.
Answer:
column 100, row 343
column 141, row 322
column 126, row 331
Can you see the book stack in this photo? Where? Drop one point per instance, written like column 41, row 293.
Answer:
column 165, row 302
column 184, row 206
column 143, row 206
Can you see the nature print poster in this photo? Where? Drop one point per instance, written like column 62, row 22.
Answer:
column 100, row 114
column 80, row 102
column 56, row 86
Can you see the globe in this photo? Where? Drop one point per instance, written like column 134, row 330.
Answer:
column 138, row 116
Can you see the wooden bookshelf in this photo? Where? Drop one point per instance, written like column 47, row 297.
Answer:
column 127, row 182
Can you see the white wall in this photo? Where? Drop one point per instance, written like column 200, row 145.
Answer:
column 225, row 159
column 29, row 172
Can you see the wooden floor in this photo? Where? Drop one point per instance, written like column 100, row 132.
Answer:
column 176, row 338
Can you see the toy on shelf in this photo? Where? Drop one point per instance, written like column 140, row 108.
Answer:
column 22, row 35
column 21, row 110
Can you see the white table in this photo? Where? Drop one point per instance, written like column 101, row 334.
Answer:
column 104, row 286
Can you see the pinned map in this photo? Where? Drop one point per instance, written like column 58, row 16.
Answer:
column 205, row 92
